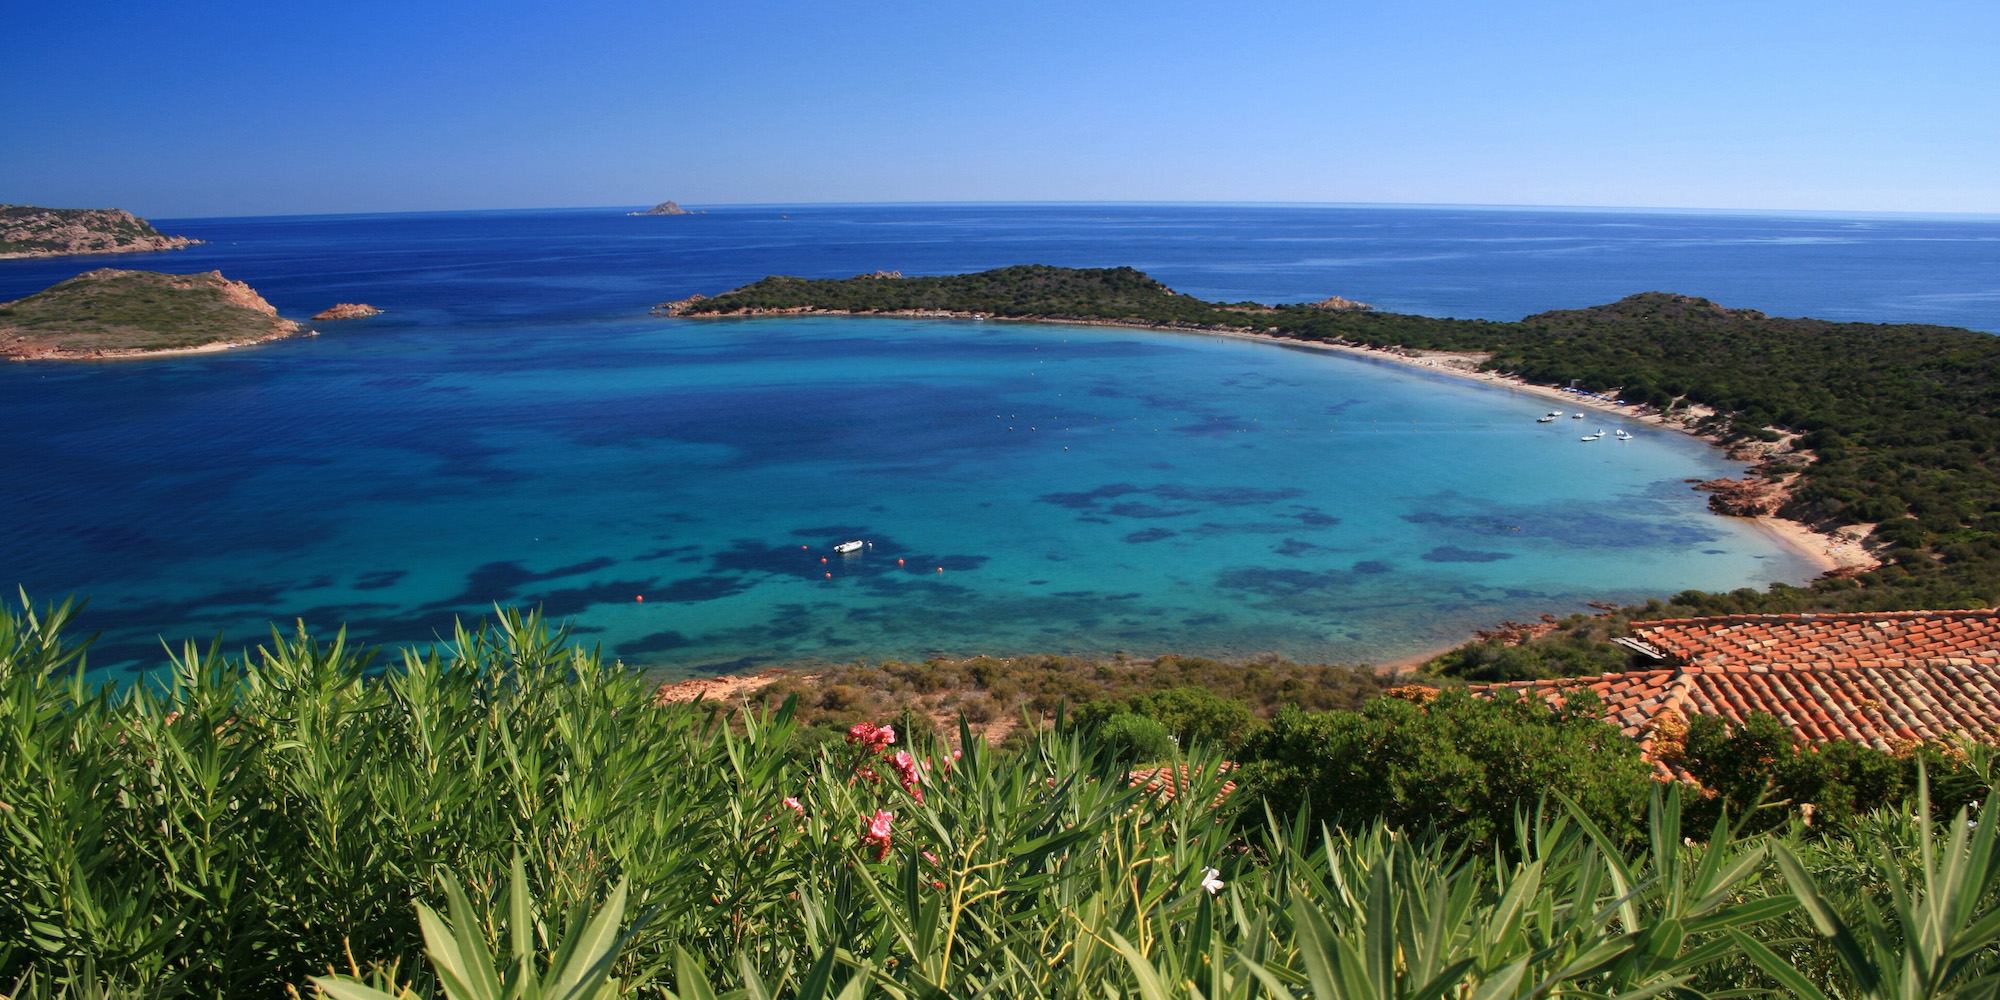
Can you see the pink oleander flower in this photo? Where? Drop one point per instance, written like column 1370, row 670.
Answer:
column 932, row 858
column 906, row 769
column 793, row 804
column 878, row 832
column 870, row 735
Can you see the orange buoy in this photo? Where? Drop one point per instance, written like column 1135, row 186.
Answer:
column 899, row 562
column 822, row 558
column 804, row 546
column 829, row 576
column 641, row 598
column 940, row 569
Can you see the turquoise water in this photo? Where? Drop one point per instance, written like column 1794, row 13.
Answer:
column 517, row 430
column 1081, row 489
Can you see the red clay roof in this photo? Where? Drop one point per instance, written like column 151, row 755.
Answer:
column 1881, row 679
column 1167, row 782
column 1851, row 638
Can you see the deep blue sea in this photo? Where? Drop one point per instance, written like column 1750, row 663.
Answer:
column 516, row 429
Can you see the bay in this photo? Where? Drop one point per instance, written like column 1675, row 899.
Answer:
column 516, row 429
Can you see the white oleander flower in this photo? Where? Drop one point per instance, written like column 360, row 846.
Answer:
column 1211, row 879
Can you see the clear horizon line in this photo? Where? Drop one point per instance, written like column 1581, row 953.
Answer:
column 1386, row 205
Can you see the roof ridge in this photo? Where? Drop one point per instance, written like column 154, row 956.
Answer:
column 1822, row 616
column 1558, row 683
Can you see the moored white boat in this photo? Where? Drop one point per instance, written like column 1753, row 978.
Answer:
column 846, row 547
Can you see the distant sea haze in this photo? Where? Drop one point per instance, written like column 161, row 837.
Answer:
column 516, row 429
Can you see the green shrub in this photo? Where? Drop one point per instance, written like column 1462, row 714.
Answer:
column 1135, row 738
column 1458, row 763
column 1761, row 771
column 1190, row 715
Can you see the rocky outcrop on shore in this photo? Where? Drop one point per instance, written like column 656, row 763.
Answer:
column 1334, row 303
column 347, row 310
column 663, row 208
column 678, row 307
column 111, row 313
column 1745, row 497
column 29, row 231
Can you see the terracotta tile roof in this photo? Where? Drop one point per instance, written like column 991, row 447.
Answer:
column 1880, row 679
column 1752, row 639
column 1167, row 782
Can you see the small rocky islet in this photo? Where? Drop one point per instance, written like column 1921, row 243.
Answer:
column 666, row 208
column 346, row 310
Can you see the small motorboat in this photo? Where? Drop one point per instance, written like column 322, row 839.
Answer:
column 1576, row 416
column 1554, row 414
column 1591, row 437
column 1543, row 420
column 1622, row 436
column 845, row 548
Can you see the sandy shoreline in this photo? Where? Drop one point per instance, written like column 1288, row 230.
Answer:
column 214, row 348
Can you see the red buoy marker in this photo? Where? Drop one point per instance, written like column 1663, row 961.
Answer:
column 899, row 562
column 641, row 598
column 940, row 569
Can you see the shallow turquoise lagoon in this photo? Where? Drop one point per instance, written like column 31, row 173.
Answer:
column 1082, row 489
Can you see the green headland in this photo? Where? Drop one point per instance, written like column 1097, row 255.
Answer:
column 31, row 231
column 110, row 313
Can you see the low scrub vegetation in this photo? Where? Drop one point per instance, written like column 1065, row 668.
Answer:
column 1191, row 696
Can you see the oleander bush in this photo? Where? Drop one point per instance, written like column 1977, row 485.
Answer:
column 506, row 817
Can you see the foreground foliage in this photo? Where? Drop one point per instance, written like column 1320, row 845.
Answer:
column 446, row 825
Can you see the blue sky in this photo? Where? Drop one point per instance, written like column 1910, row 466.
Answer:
column 179, row 109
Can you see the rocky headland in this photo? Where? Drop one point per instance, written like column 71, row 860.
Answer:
column 29, row 231
column 1746, row 497
column 346, row 310
column 109, row 313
